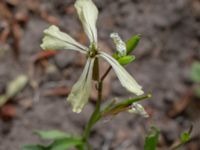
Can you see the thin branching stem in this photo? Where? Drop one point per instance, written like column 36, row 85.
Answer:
column 106, row 73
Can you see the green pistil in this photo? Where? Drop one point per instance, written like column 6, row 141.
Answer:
column 92, row 51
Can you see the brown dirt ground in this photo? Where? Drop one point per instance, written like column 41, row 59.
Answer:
column 170, row 33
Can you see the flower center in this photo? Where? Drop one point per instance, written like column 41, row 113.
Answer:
column 92, row 51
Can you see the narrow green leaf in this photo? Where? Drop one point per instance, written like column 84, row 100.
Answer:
column 3, row 100
column 128, row 102
column 52, row 134
column 195, row 72
column 197, row 91
column 64, row 144
column 185, row 137
column 109, row 105
column 132, row 43
column 121, row 106
column 151, row 139
column 34, row 147
column 126, row 59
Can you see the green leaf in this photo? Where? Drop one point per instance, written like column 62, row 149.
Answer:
column 195, row 72
column 132, row 43
column 66, row 143
column 197, row 91
column 52, row 134
column 115, row 55
column 185, row 137
column 80, row 147
column 34, row 147
column 151, row 139
column 126, row 59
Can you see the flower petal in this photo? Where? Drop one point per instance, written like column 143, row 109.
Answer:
column 136, row 108
column 81, row 90
column 88, row 14
column 54, row 39
column 125, row 78
column 120, row 45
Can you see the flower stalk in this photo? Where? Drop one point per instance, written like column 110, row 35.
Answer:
column 96, row 115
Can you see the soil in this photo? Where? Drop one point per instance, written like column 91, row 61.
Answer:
column 170, row 32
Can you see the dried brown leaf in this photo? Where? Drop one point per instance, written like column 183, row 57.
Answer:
column 58, row 91
column 8, row 112
column 43, row 55
column 5, row 12
column 180, row 105
column 16, row 32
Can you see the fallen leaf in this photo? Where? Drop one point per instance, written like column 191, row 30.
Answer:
column 49, row 18
column 13, row 88
column 7, row 112
column 43, row 55
column 58, row 91
column 5, row 12
column 180, row 105
column 5, row 32
column 16, row 86
column 13, row 2
column 16, row 33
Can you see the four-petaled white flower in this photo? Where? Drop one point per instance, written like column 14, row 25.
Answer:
column 54, row 39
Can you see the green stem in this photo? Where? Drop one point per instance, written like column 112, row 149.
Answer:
column 96, row 115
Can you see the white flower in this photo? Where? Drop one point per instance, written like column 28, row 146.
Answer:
column 124, row 77
column 54, row 39
column 81, row 90
column 120, row 45
column 136, row 108
column 88, row 14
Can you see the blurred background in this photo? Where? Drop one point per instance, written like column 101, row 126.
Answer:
column 40, row 81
